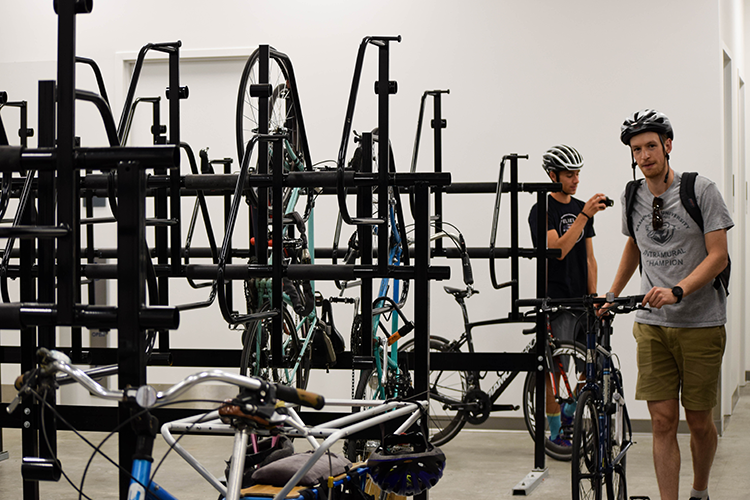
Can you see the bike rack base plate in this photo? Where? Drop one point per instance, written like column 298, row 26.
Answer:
column 531, row 481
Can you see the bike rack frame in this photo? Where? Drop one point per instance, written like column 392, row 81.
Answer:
column 50, row 259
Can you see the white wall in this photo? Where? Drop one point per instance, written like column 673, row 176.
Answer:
column 522, row 77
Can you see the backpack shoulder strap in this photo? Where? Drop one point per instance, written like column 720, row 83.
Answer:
column 687, row 196
column 630, row 191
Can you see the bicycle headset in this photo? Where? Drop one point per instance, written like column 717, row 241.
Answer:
column 561, row 157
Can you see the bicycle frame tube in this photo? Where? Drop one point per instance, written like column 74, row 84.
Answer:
column 591, row 352
column 141, row 477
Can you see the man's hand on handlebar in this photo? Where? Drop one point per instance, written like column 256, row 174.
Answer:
column 658, row 297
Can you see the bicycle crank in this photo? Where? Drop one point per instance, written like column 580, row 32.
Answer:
column 477, row 406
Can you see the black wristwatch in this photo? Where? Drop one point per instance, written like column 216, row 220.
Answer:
column 677, row 292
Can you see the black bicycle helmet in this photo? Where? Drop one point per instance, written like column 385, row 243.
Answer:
column 561, row 157
column 406, row 474
column 645, row 120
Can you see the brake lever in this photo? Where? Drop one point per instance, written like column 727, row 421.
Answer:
column 23, row 390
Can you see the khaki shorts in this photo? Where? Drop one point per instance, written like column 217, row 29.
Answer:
column 679, row 360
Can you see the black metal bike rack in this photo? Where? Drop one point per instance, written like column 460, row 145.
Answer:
column 50, row 259
column 531, row 361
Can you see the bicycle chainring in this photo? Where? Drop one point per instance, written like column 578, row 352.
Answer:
column 479, row 410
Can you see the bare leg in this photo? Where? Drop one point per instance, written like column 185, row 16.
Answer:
column 703, row 441
column 665, row 416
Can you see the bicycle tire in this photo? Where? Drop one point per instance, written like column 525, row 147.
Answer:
column 586, row 480
column 281, row 105
column 620, row 433
column 281, row 117
column 445, row 423
column 573, row 376
column 256, row 351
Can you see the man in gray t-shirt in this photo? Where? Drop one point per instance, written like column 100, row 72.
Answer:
column 681, row 340
column 672, row 252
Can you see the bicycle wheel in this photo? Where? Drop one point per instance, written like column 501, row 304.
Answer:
column 294, row 370
column 586, row 479
column 281, row 119
column 447, row 390
column 281, row 113
column 564, row 355
column 620, row 434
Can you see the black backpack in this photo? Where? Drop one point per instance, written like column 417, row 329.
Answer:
column 689, row 201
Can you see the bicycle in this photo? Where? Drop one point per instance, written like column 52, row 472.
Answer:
column 255, row 412
column 457, row 397
column 602, row 433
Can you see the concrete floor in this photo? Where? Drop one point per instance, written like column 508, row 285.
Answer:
column 480, row 465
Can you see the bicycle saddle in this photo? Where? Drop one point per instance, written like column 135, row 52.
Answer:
column 457, row 292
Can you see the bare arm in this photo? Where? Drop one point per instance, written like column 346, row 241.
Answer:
column 628, row 264
column 707, row 270
column 567, row 241
column 591, row 264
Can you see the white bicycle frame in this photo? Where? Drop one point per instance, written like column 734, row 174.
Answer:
column 292, row 426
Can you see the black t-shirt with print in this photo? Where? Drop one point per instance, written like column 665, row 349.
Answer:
column 567, row 277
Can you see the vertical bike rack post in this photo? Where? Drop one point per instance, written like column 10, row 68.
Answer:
column 383, row 88
column 540, row 470
column 514, row 295
column 364, row 211
column 438, row 123
column 422, row 296
column 174, row 94
column 541, row 327
column 277, row 248
column 131, row 293
column 263, row 92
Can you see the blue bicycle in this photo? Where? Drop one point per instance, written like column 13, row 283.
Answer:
column 602, row 434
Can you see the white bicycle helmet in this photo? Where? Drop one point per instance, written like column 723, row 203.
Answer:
column 561, row 157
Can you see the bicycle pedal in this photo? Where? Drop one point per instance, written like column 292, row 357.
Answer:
column 640, row 498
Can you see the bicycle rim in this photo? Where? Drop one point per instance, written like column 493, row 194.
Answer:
column 445, row 386
column 256, row 353
column 281, row 113
column 619, row 488
column 586, row 478
column 569, row 384
column 619, row 434
column 281, row 119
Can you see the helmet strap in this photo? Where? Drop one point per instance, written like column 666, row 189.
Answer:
column 632, row 162
column 666, row 156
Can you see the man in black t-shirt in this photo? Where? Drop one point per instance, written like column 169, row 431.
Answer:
column 570, row 227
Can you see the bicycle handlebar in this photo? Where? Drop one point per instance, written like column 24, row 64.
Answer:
column 623, row 304
column 52, row 362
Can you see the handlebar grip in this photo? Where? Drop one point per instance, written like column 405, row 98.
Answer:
column 300, row 396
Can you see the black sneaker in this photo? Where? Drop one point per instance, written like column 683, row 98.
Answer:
column 696, row 498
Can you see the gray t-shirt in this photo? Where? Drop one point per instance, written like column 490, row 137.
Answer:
column 671, row 253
